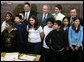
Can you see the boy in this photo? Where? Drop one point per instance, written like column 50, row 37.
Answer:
column 10, row 39
column 21, row 27
column 48, row 28
column 56, row 41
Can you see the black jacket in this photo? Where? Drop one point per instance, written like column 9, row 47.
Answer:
column 10, row 42
column 56, row 40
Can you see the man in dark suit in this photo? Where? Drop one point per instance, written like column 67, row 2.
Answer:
column 44, row 15
column 28, row 12
column 73, row 13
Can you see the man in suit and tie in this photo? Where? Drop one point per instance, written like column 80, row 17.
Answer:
column 44, row 15
column 28, row 12
column 73, row 14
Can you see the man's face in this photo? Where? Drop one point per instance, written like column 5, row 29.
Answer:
column 45, row 9
column 26, row 8
column 73, row 13
column 57, row 10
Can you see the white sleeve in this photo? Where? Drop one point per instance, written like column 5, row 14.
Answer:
column 40, row 29
column 3, row 26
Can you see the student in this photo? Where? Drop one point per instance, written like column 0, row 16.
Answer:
column 23, row 18
column 10, row 39
column 47, row 29
column 56, row 41
column 7, row 17
column 58, row 15
column 34, row 36
column 21, row 27
column 75, row 37
column 65, row 28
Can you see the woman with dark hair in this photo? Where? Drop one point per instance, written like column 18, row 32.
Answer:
column 8, row 17
column 75, row 36
column 34, row 36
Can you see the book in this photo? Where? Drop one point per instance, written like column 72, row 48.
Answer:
column 11, row 56
column 28, row 57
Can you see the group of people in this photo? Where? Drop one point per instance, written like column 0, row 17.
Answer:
column 54, row 36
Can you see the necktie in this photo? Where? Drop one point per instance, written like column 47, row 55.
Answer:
column 44, row 19
column 26, row 17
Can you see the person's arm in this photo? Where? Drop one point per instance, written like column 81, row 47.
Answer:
column 69, row 37
column 48, row 39
column 81, row 37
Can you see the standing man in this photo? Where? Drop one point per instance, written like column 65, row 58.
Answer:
column 58, row 15
column 28, row 12
column 44, row 15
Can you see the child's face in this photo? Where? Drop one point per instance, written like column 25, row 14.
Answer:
column 55, row 26
column 49, row 24
column 8, row 17
column 8, row 26
column 32, row 21
column 17, row 20
column 77, row 22
column 65, row 22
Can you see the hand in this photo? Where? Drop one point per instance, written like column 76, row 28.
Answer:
column 67, row 48
column 72, row 48
column 76, row 48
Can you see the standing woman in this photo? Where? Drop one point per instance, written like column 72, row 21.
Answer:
column 75, row 37
column 34, row 36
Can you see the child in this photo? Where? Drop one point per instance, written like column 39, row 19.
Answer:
column 23, row 18
column 10, row 39
column 21, row 27
column 47, row 29
column 56, row 41
column 7, row 17
column 34, row 37
column 75, row 37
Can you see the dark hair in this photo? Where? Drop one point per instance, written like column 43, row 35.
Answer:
column 67, row 20
column 27, row 4
column 36, row 25
column 22, row 13
column 51, row 19
column 9, row 22
column 19, row 16
column 73, row 8
column 73, row 27
column 58, row 22
column 58, row 6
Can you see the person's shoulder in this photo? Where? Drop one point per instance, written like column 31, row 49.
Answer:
column 81, row 27
column 61, row 14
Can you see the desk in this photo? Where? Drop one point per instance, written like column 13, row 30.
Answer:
column 36, row 59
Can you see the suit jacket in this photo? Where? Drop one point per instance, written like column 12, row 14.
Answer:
column 40, row 18
column 31, row 13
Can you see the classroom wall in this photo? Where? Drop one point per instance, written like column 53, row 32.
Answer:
column 16, row 6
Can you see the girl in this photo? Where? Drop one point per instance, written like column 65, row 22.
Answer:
column 65, row 27
column 7, row 17
column 34, row 36
column 75, row 39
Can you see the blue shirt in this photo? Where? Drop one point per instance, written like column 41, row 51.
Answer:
column 75, row 38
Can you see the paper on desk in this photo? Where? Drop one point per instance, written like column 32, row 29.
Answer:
column 11, row 56
column 28, row 57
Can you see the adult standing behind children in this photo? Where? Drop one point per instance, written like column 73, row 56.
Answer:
column 44, row 15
